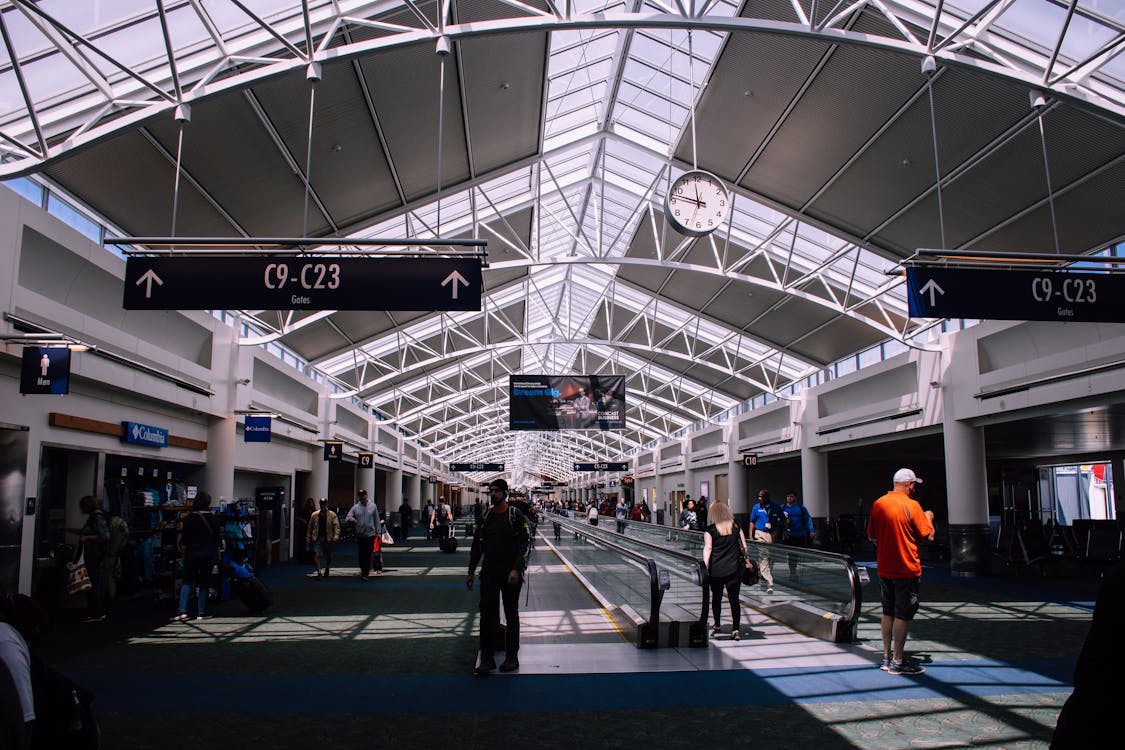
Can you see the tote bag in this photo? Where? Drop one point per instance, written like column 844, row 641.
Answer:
column 77, row 577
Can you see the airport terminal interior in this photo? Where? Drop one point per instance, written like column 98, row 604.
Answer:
column 656, row 255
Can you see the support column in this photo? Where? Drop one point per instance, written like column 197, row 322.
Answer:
column 736, row 489
column 967, row 489
column 218, row 474
column 814, row 490
column 318, row 476
column 393, row 497
column 414, row 493
column 366, row 480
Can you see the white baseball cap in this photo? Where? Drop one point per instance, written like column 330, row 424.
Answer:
column 903, row 476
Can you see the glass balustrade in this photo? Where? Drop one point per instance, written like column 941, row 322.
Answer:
column 815, row 592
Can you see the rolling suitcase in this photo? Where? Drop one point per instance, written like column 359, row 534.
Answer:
column 254, row 594
column 441, row 531
column 448, row 544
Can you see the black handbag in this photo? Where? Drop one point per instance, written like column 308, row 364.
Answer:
column 749, row 568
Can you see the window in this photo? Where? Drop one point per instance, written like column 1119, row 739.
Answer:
column 62, row 210
column 27, row 189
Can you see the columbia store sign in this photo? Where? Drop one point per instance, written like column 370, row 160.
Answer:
column 144, row 434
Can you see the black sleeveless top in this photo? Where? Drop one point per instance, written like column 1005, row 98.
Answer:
column 724, row 552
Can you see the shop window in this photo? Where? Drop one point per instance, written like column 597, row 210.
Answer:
column 1078, row 492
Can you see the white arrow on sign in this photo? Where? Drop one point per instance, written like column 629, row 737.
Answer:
column 455, row 277
column 147, row 278
column 932, row 287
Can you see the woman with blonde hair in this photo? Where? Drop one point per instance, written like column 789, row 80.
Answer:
column 723, row 546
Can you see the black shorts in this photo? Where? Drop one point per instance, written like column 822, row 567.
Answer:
column 900, row 597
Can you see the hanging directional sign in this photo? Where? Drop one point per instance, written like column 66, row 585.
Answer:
column 476, row 467
column 301, row 282
column 1015, row 294
column 366, row 460
column 601, row 466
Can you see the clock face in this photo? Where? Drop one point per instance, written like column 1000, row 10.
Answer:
column 697, row 203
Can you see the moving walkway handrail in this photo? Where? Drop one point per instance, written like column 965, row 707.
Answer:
column 656, row 593
column 696, row 563
column 851, row 614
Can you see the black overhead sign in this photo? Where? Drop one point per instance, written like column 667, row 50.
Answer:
column 601, row 466
column 476, row 467
column 301, row 283
column 1015, row 294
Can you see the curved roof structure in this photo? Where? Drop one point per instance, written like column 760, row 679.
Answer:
column 851, row 134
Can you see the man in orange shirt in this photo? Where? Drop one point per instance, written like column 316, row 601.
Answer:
column 896, row 525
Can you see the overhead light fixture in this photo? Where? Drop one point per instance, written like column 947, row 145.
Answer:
column 47, row 339
column 37, row 332
column 304, row 245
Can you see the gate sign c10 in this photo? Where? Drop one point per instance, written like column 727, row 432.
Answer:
column 1015, row 294
column 476, row 467
column 601, row 466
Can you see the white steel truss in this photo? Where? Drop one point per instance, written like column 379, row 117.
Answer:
column 621, row 77
column 75, row 72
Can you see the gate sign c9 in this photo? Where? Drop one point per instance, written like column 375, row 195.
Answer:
column 476, row 467
column 1015, row 294
column 601, row 466
column 295, row 282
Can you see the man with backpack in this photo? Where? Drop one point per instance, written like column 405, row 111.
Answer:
column 503, row 539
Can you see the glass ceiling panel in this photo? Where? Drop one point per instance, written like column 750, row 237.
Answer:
column 141, row 43
column 603, row 197
column 85, row 17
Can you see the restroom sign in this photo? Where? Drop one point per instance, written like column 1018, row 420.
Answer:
column 45, row 370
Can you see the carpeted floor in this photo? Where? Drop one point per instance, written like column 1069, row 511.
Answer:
column 387, row 663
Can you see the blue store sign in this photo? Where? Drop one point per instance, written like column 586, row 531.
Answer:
column 144, row 434
column 257, row 429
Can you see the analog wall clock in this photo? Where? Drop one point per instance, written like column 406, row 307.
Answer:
column 697, row 203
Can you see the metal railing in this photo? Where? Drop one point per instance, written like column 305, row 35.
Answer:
column 674, row 596
column 812, row 591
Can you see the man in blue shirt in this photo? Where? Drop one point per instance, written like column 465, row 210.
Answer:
column 763, row 520
column 798, row 529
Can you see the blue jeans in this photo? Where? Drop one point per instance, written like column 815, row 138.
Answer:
column 197, row 575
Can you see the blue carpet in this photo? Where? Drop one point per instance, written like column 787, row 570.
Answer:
column 346, row 693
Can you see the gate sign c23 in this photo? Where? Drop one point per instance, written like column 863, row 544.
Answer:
column 144, row 434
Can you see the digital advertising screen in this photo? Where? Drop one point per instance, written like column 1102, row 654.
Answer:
column 566, row 402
